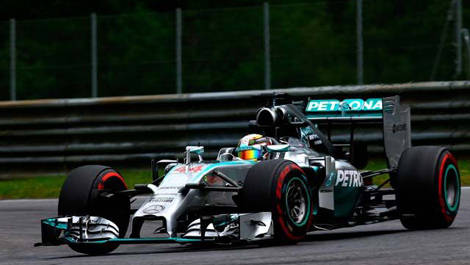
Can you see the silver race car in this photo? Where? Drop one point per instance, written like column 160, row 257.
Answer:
column 283, row 180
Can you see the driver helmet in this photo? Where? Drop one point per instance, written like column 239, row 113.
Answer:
column 252, row 147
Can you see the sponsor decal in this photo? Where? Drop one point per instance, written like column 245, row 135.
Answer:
column 162, row 199
column 153, row 209
column 195, row 169
column 169, row 188
column 348, row 178
column 371, row 104
column 315, row 139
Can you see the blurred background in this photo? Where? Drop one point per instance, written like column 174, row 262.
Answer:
column 62, row 49
column 66, row 67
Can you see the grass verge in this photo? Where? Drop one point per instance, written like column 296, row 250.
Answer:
column 464, row 168
column 49, row 186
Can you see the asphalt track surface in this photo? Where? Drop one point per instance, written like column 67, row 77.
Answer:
column 383, row 243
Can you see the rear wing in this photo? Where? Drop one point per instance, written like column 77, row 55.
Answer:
column 395, row 119
column 348, row 109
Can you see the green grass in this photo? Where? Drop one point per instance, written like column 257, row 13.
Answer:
column 464, row 167
column 49, row 186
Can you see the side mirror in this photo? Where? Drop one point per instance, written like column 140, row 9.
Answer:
column 198, row 150
column 225, row 154
column 276, row 148
column 161, row 167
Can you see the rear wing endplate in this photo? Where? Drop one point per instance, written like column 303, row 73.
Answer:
column 394, row 117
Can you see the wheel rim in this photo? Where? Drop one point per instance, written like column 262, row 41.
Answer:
column 297, row 201
column 451, row 187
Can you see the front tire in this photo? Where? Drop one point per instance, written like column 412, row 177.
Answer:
column 80, row 196
column 281, row 187
column 427, row 187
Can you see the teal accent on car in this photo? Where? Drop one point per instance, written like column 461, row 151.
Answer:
column 248, row 147
column 457, row 196
column 347, row 115
column 198, row 177
column 347, row 190
column 305, row 132
column 278, row 148
column 345, row 200
column 52, row 222
column 352, row 104
column 153, row 239
column 307, row 215
column 141, row 240
column 329, row 181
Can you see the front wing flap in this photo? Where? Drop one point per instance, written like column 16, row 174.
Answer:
column 92, row 230
column 98, row 230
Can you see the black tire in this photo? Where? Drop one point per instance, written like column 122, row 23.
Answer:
column 427, row 188
column 80, row 196
column 272, row 186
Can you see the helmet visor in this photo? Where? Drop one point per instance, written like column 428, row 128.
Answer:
column 253, row 154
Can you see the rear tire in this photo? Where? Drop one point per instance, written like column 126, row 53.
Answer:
column 281, row 187
column 80, row 195
column 427, row 187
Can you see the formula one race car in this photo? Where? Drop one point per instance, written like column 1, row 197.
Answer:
column 278, row 184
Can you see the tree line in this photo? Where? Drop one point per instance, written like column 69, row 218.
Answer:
column 312, row 43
